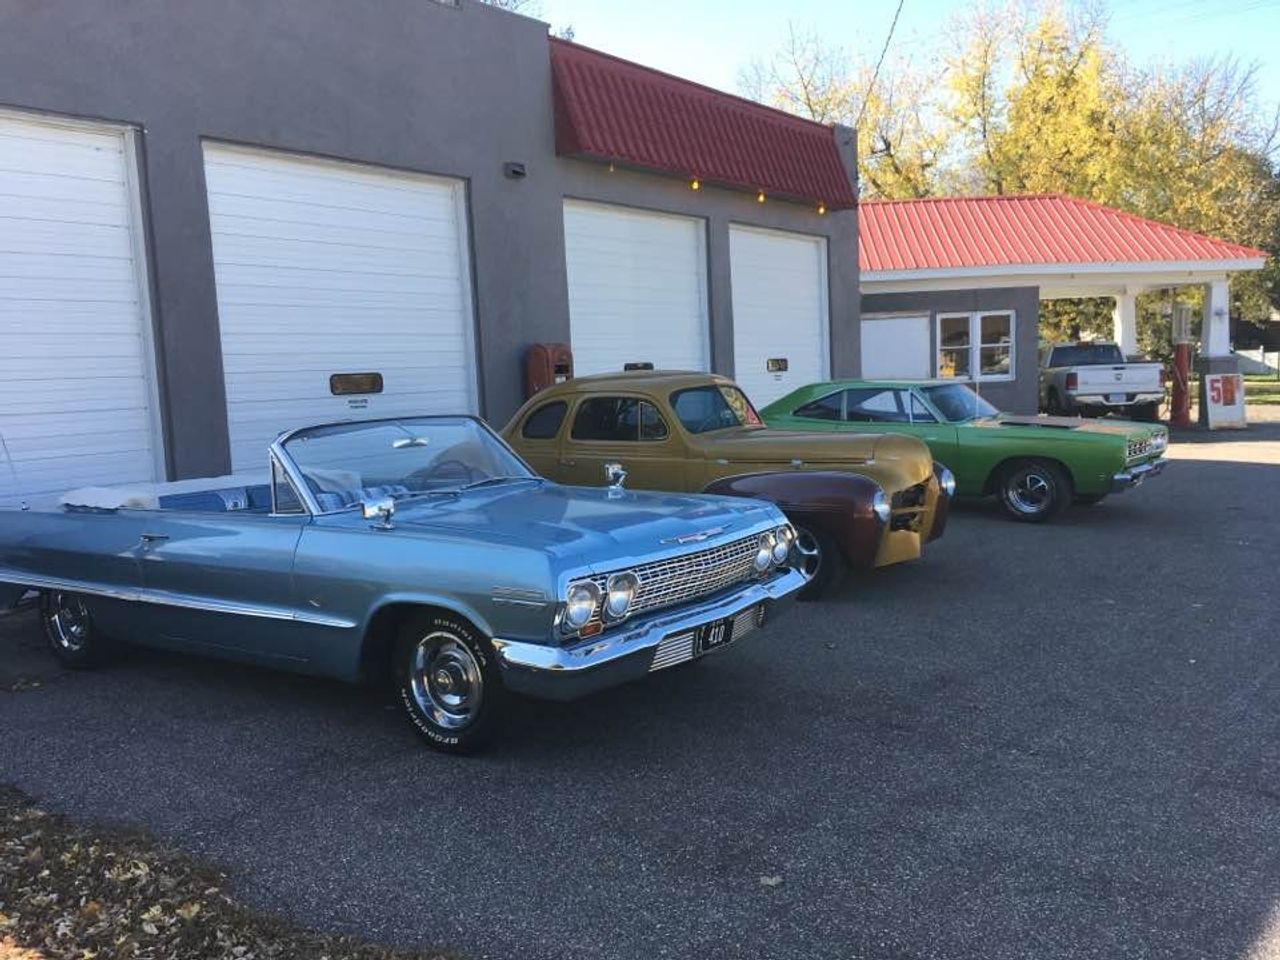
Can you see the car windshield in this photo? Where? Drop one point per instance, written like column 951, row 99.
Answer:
column 959, row 404
column 346, row 463
column 714, row 407
column 1086, row 355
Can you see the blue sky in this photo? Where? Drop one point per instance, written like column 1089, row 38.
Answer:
column 710, row 40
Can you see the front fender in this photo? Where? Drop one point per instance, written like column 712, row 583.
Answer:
column 840, row 503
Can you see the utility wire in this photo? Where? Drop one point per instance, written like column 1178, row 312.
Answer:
column 875, row 74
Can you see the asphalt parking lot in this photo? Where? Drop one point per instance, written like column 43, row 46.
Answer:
column 1038, row 742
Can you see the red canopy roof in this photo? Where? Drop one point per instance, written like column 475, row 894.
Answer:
column 615, row 110
column 960, row 232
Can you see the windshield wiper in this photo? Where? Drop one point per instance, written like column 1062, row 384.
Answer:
column 492, row 481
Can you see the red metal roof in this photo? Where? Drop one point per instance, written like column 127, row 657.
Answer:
column 615, row 110
column 968, row 232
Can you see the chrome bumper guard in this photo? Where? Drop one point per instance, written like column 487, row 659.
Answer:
column 1135, row 475
column 633, row 650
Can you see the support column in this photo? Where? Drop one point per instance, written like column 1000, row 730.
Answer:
column 1215, row 333
column 1125, row 322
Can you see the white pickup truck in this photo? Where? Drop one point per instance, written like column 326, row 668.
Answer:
column 1095, row 378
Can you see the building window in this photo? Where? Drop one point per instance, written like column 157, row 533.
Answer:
column 976, row 346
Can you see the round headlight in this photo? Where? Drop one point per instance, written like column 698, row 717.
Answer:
column 580, row 603
column 619, row 592
column 764, row 555
column 782, row 539
column 946, row 480
column 880, row 506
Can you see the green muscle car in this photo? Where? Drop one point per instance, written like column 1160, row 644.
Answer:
column 1035, row 465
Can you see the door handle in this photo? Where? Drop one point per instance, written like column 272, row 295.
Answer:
column 154, row 537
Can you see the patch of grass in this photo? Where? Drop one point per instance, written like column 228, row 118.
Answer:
column 73, row 891
column 1262, row 391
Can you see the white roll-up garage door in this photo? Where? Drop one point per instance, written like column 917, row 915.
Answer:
column 77, row 400
column 780, row 327
column 637, row 288
column 328, row 269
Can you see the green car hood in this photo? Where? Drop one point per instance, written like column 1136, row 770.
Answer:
column 1034, row 425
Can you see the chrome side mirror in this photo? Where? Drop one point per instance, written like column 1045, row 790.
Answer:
column 381, row 510
column 615, row 475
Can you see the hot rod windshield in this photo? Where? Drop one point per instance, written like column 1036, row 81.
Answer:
column 345, row 463
column 959, row 404
column 703, row 409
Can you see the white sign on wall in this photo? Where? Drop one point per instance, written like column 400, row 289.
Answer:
column 1224, row 401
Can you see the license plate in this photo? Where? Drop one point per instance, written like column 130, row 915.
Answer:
column 715, row 634
column 1116, row 397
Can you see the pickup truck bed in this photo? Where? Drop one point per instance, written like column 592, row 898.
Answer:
column 1095, row 378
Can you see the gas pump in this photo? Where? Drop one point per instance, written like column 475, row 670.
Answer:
column 1180, row 414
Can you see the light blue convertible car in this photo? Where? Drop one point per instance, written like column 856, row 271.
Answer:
column 423, row 547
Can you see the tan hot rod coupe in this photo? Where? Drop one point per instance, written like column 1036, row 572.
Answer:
column 856, row 501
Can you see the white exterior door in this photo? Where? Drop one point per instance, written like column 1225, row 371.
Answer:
column 896, row 348
column 637, row 289
column 780, row 325
column 327, row 269
column 77, row 399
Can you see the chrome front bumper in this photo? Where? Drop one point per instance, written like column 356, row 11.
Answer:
column 629, row 652
column 1135, row 475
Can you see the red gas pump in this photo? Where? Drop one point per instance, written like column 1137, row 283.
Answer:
column 1180, row 415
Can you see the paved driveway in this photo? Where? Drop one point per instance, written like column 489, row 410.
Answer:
column 1057, row 742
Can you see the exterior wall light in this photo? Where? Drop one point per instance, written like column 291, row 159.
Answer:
column 695, row 184
column 822, row 209
column 760, row 197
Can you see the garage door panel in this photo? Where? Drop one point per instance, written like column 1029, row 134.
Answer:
column 357, row 251
column 779, row 310
column 323, row 268
column 291, row 179
column 75, row 387
column 317, row 278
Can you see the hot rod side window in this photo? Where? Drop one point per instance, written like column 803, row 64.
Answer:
column 618, row 419
column 544, row 423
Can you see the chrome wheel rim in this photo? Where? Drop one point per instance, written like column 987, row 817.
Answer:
column 1030, row 492
column 446, row 679
column 69, row 622
column 809, row 552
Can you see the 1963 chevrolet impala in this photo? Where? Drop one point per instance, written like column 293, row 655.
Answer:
column 422, row 545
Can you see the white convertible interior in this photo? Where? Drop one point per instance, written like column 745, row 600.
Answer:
column 233, row 492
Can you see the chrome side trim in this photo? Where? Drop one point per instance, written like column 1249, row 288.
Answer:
column 166, row 598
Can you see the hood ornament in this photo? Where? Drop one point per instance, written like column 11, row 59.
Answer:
column 695, row 537
column 615, row 475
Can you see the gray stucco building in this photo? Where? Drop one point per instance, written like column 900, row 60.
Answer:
column 219, row 212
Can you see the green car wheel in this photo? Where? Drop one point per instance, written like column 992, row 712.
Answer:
column 1033, row 491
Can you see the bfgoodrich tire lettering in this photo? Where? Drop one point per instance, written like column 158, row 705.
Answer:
column 447, row 681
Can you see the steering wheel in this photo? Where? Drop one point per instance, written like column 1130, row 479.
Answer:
column 454, row 471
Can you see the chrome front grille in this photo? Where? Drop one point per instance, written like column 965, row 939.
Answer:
column 680, row 647
column 1139, row 448
column 911, row 497
column 689, row 576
